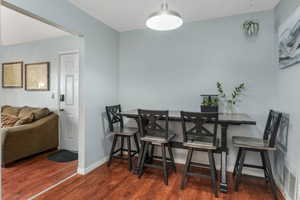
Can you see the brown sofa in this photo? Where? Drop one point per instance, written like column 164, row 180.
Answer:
column 31, row 138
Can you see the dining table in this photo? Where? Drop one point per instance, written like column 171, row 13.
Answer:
column 224, row 120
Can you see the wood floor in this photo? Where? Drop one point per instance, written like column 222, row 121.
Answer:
column 31, row 176
column 116, row 183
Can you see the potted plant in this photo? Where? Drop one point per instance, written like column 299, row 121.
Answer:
column 233, row 99
column 210, row 103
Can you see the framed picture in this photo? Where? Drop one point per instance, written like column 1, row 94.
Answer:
column 289, row 41
column 37, row 76
column 12, row 75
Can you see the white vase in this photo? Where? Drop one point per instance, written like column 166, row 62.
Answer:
column 230, row 108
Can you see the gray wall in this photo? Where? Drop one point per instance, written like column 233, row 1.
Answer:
column 98, row 74
column 288, row 88
column 169, row 70
column 33, row 52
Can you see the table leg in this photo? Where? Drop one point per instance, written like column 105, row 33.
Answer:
column 224, row 152
column 137, row 167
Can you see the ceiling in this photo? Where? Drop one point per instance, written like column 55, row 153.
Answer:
column 17, row 28
column 124, row 15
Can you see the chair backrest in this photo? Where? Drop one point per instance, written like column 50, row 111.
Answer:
column 114, row 117
column 272, row 127
column 154, row 123
column 193, row 126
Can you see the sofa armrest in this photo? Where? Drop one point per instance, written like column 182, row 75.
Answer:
column 30, row 139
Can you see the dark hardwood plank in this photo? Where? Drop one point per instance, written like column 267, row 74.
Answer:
column 117, row 183
column 28, row 177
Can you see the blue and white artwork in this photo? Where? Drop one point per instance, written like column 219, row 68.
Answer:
column 289, row 41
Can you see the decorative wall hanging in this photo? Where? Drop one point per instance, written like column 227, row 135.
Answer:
column 37, row 76
column 289, row 41
column 12, row 75
column 251, row 28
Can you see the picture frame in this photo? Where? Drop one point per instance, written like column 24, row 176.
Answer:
column 12, row 75
column 289, row 43
column 37, row 76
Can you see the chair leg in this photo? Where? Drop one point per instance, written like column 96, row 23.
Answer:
column 213, row 172
column 264, row 166
column 171, row 156
column 151, row 153
column 215, row 166
column 270, row 174
column 186, row 168
column 129, row 153
column 136, row 143
column 122, row 145
column 145, row 150
column 140, row 157
column 165, row 166
column 237, row 162
column 240, row 169
column 112, row 150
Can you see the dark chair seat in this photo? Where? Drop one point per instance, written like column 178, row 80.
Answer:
column 126, row 131
column 154, row 129
column 118, row 131
column 205, row 143
column 262, row 146
column 158, row 138
column 252, row 143
column 198, row 136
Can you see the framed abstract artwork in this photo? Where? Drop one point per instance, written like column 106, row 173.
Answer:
column 37, row 76
column 12, row 75
column 289, row 41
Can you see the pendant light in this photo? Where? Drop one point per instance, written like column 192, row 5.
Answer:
column 164, row 20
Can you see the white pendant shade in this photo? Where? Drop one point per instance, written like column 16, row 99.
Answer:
column 164, row 20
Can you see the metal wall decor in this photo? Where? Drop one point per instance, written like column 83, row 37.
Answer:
column 251, row 28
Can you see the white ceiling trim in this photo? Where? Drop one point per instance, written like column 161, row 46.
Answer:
column 126, row 15
column 17, row 28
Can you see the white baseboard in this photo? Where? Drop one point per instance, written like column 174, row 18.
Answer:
column 93, row 166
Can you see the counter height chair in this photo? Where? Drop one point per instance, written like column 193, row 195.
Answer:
column 154, row 130
column 261, row 145
column 199, row 136
column 122, row 133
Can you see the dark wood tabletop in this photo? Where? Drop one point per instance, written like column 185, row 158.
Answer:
column 232, row 119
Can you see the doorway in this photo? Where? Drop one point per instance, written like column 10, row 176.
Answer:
column 31, row 174
column 69, row 100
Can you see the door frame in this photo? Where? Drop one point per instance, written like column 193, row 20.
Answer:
column 76, row 51
column 81, row 133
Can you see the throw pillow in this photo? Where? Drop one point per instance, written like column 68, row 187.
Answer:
column 40, row 113
column 9, row 110
column 25, row 112
column 25, row 120
column 8, row 121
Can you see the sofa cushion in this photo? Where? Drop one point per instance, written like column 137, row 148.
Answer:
column 8, row 120
column 25, row 112
column 9, row 110
column 40, row 113
column 25, row 120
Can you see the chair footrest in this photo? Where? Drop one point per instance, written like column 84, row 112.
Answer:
column 153, row 166
column 253, row 166
column 133, row 153
column 125, row 150
column 197, row 175
column 199, row 164
column 169, row 165
column 159, row 157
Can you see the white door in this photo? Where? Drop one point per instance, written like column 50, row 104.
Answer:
column 69, row 97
